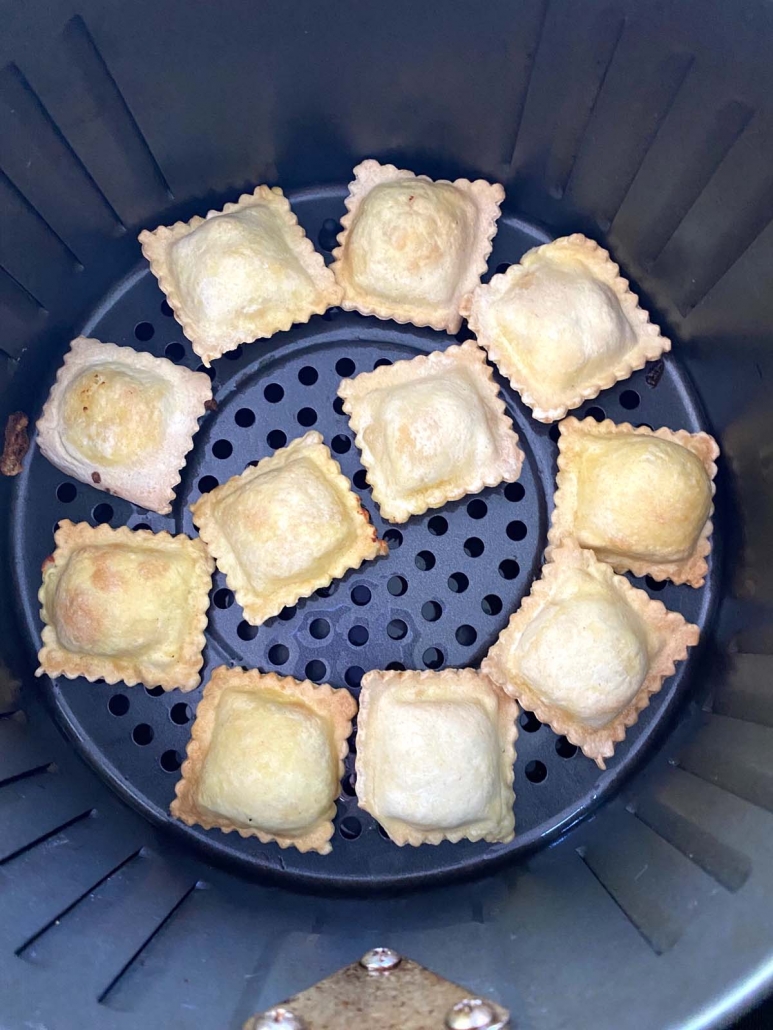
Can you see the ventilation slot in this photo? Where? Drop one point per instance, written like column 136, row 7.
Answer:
column 735, row 755
column 703, row 823
column 656, row 887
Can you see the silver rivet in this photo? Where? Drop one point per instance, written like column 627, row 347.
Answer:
column 474, row 1014
column 278, row 1018
column 380, row 960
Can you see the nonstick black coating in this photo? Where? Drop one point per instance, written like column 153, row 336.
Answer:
column 448, row 586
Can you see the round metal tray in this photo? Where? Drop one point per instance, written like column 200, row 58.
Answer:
column 440, row 598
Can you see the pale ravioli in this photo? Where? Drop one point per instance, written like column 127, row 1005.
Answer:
column 435, row 754
column 641, row 499
column 265, row 758
column 285, row 527
column 240, row 274
column 431, row 430
column 122, row 420
column 586, row 651
column 121, row 604
column 412, row 249
column 563, row 325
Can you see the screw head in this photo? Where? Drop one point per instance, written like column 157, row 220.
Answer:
column 278, row 1018
column 474, row 1014
column 380, row 960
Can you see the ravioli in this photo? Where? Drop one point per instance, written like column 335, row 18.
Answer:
column 121, row 604
column 285, row 527
column 412, row 249
column 123, row 421
column 563, row 325
column 640, row 499
column 586, row 651
column 435, row 754
column 431, row 430
column 240, row 274
column 265, row 758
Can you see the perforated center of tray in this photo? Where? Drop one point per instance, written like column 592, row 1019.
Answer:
column 447, row 588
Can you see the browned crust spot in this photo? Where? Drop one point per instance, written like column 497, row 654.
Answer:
column 15, row 445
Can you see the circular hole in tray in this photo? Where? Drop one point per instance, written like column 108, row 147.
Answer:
column 278, row 654
column 102, row 513
column 358, row 636
column 516, row 530
column 66, row 492
column 181, row 713
column 491, row 604
column 509, row 568
column 458, row 582
column 350, row 828
column 353, row 676
column 466, row 635
column 437, row 525
column 629, row 399
column 473, row 547
column 361, row 595
column 142, row 734
column 224, row 598
column 433, row 658
column 425, row 560
column 345, row 367
column 307, row 417
column 316, row 670
column 397, row 585
column 175, row 351
column 171, row 761
column 207, row 484
column 118, row 704
column 536, row 771
column 564, row 749
column 222, row 449
column 144, row 331
column 319, row 628
column 529, row 722
column 394, row 539
column 397, row 629
column 244, row 418
column 328, row 234
column 276, row 439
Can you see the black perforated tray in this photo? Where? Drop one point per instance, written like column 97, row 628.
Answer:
column 439, row 599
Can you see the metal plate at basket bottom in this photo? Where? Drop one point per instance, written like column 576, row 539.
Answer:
column 447, row 588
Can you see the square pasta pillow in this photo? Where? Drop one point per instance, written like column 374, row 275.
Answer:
column 563, row 325
column 431, row 430
column 240, row 274
column 265, row 758
column 122, row 604
column 640, row 498
column 435, row 754
column 412, row 249
column 123, row 421
column 285, row 527
column 586, row 651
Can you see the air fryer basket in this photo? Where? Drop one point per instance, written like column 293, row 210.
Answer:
column 647, row 126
